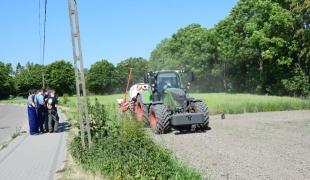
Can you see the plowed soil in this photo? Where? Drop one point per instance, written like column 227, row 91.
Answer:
column 269, row 145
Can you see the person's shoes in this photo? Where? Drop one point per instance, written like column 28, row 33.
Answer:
column 41, row 132
column 55, row 131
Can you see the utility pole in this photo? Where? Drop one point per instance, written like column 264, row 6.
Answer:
column 42, row 78
column 78, row 65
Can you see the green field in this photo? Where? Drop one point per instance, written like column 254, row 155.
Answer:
column 228, row 103
column 217, row 102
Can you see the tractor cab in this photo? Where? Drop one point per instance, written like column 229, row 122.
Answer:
column 166, row 80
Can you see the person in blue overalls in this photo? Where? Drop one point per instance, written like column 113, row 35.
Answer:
column 40, row 110
column 32, row 113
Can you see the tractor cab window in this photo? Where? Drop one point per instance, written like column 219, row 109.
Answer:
column 167, row 80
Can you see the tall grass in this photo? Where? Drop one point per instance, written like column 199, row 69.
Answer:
column 241, row 103
column 217, row 102
column 228, row 103
column 122, row 149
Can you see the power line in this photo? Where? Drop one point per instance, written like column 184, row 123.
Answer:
column 44, row 33
column 40, row 32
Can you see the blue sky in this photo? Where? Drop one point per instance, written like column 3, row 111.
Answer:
column 111, row 30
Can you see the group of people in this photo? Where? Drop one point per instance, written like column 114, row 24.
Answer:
column 42, row 111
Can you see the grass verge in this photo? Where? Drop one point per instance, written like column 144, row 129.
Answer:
column 122, row 149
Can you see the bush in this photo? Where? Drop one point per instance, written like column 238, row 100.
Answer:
column 65, row 98
column 11, row 97
column 122, row 149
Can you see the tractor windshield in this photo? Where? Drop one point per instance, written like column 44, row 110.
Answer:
column 167, row 79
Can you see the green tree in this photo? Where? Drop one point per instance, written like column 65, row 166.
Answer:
column 194, row 48
column 298, row 84
column 29, row 77
column 18, row 68
column 100, row 77
column 161, row 57
column 261, row 47
column 122, row 71
column 301, row 12
column 60, row 76
column 6, row 80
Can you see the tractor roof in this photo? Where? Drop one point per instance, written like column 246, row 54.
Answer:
column 175, row 71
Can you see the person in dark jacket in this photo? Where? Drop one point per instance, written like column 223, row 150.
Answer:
column 33, row 130
column 46, row 96
column 53, row 118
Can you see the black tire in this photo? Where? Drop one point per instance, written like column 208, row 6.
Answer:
column 142, row 114
column 201, row 107
column 160, row 120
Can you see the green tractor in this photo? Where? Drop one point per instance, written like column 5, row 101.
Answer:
column 167, row 104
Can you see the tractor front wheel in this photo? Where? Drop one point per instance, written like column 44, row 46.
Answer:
column 201, row 107
column 141, row 110
column 160, row 120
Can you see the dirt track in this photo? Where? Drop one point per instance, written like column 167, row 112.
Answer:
column 273, row 145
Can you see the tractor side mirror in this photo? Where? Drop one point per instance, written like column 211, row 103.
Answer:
column 191, row 76
column 146, row 78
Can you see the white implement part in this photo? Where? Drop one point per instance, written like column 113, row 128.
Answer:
column 119, row 101
column 137, row 88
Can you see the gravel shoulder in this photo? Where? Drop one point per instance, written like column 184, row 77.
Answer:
column 268, row 145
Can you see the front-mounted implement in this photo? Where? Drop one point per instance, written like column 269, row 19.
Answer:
column 129, row 103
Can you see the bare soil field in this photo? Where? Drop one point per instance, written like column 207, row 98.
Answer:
column 269, row 145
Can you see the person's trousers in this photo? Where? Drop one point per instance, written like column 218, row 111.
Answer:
column 53, row 120
column 46, row 120
column 41, row 118
column 36, row 111
column 32, row 120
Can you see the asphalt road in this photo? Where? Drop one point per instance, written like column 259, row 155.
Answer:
column 12, row 117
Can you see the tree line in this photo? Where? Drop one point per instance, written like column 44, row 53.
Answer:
column 263, row 46
column 101, row 78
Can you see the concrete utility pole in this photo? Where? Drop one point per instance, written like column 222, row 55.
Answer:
column 42, row 78
column 73, row 14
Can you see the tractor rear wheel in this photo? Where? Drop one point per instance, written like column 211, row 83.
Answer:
column 141, row 110
column 160, row 120
column 201, row 107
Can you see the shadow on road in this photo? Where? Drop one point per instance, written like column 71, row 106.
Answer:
column 63, row 127
column 189, row 131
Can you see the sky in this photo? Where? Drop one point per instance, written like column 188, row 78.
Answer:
column 110, row 29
